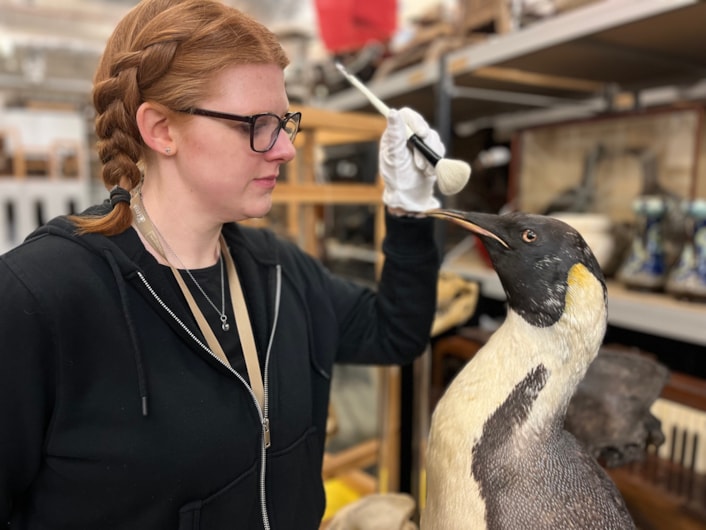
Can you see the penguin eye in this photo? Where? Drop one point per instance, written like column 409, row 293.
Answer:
column 529, row 236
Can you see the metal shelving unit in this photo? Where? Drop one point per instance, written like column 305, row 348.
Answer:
column 558, row 68
column 608, row 55
column 573, row 65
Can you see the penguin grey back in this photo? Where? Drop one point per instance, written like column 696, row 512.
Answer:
column 553, row 484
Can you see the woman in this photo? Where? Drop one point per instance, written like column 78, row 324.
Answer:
column 139, row 387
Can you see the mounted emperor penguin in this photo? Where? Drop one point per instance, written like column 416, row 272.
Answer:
column 498, row 456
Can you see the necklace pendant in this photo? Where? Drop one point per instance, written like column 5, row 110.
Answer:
column 225, row 326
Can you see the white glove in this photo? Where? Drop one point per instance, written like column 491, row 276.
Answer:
column 409, row 178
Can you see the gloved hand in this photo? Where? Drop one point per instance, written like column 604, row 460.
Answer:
column 409, row 178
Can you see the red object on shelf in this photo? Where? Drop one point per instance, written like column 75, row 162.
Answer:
column 348, row 25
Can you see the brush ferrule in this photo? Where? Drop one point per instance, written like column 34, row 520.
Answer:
column 428, row 153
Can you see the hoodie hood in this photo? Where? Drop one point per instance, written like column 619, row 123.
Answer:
column 122, row 267
column 125, row 256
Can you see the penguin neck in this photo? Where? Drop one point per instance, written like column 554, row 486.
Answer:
column 565, row 349
column 563, row 352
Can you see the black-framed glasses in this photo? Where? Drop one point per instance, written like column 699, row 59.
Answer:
column 264, row 127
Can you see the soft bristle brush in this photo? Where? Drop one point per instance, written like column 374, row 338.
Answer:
column 452, row 175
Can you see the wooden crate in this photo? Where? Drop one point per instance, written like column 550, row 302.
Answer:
column 476, row 15
column 568, row 5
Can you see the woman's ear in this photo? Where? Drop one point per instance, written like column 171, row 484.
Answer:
column 154, row 128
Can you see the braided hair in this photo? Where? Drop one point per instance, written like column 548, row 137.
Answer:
column 165, row 52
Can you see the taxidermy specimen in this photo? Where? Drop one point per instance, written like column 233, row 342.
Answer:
column 498, row 455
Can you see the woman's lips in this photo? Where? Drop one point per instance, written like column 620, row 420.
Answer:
column 266, row 182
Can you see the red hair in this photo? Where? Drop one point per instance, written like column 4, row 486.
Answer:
column 166, row 52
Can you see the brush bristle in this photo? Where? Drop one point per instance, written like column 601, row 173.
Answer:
column 452, row 175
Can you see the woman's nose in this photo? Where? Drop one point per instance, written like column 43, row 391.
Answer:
column 283, row 148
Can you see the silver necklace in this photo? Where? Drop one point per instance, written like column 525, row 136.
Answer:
column 222, row 313
column 225, row 326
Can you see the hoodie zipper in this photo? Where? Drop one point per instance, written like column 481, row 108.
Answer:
column 262, row 412
column 266, row 437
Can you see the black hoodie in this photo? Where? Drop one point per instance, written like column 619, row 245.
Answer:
column 115, row 416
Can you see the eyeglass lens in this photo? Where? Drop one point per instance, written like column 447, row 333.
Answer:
column 266, row 127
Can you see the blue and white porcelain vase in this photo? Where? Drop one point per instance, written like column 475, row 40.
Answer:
column 645, row 266
column 687, row 279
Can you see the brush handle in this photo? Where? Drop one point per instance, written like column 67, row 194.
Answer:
column 372, row 98
column 383, row 109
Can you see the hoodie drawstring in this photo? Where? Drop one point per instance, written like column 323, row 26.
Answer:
column 141, row 376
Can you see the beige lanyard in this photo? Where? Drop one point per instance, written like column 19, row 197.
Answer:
column 242, row 319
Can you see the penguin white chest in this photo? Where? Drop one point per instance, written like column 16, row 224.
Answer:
column 499, row 423
column 464, row 434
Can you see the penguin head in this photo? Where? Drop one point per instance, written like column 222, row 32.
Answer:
column 536, row 258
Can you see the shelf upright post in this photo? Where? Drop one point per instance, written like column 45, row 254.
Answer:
column 415, row 378
column 442, row 123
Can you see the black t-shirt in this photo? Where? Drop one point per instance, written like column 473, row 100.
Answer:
column 209, row 279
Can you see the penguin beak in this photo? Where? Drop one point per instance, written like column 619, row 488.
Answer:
column 470, row 221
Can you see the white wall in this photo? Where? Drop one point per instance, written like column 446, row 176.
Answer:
column 38, row 129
